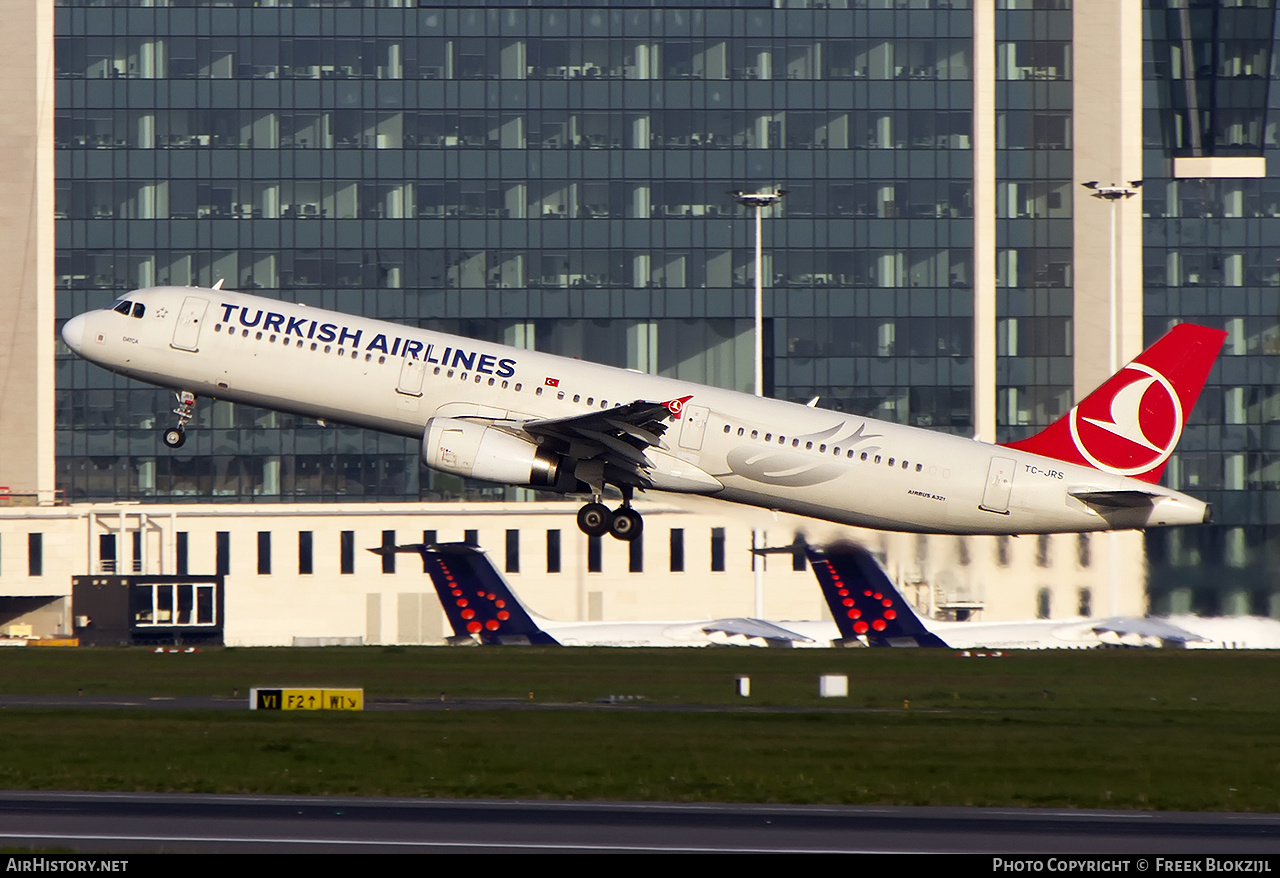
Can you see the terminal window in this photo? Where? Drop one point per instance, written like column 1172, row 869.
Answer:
column 169, row 603
column 513, row 551
column 717, row 549
column 635, row 551
column 388, row 551
column 348, row 551
column 553, row 551
column 304, row 552
column 35, row 554
column 595, row 555
column 224, row 553
column 264, row 553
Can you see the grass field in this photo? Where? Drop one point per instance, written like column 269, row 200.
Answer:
column 1123, row 728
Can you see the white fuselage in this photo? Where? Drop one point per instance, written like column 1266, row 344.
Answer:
column 762, row 452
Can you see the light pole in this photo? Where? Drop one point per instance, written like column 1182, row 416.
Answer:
column 759, row 201
column 1113, row 194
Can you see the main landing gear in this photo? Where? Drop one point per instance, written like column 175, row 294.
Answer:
column 623, row 523
column 174, row 437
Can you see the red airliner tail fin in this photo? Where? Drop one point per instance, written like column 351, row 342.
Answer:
column 1130, row 425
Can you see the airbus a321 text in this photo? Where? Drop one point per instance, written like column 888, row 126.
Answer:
column 521, row 417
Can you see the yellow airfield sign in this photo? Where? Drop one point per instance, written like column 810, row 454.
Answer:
column 261, row 698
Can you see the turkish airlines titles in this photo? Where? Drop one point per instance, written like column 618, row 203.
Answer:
column 303, row 327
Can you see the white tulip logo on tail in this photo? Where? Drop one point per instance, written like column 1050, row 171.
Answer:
column 1136, row 429
column 676, row 406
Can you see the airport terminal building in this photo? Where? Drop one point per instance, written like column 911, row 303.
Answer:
column 557, row 175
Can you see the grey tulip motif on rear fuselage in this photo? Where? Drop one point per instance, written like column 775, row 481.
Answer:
column 799, row 465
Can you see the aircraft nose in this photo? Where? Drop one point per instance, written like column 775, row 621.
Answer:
column 73, row 332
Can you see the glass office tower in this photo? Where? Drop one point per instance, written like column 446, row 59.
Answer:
column 557, row 177
column 1212, row 255
column 544, row 176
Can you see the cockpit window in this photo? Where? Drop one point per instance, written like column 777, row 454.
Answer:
column 122, row 308
column 139, row 309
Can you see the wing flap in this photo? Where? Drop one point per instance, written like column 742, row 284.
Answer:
column 618, row 437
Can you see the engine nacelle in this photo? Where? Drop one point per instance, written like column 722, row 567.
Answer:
column 478, row 451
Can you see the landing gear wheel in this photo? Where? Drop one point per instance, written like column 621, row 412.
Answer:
column 174, row 437
column 595, row 519
column 627, row 524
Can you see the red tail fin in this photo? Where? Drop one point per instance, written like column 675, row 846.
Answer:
column 1130, row 425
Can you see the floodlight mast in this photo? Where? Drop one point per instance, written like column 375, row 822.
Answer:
column 759, row 201
column 1113, row 195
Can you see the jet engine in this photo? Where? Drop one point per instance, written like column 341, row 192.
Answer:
column 479, row 451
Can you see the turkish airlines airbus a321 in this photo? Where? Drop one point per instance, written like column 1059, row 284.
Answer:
column 521, row 417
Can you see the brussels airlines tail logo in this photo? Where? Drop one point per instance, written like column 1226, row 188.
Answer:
column 1133, row 429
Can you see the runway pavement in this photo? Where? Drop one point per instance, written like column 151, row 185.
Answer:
column 146, row 822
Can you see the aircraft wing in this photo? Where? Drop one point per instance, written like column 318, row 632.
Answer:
column 617, row 437
column 753, row 628
column 1145, row 626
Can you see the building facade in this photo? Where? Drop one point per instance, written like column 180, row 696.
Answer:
column 557, row 177
column 315, row 574
column 1211, row 216
column 547, row 177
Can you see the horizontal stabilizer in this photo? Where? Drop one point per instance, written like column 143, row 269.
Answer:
column 1115, row 499
column 754, row 628
column 1145, row 626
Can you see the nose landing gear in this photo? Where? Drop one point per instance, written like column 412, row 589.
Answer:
column 174, row 437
